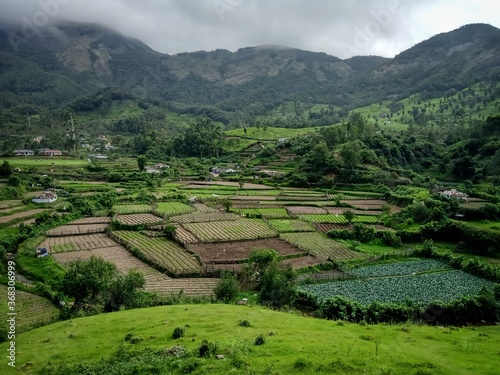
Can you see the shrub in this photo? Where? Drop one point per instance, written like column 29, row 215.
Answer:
column 207, row 349
column 227, row 288
column 301, row 364
column 260, row 340
column 244, row 323
column 178, row 333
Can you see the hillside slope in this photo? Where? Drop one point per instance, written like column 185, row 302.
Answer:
column 293, row 344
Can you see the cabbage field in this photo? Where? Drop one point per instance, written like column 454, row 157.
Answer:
column 422, row 289
column 400, row 268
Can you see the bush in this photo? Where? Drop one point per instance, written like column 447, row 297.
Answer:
column 207, row 349
column 244, row 323
column 227, row 288
column 178, row 333
column 260, row 340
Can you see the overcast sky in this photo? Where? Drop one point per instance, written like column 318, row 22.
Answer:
column 341, row 28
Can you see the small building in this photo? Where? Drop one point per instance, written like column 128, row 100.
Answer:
column 229, row 170
column 23, row 153
column 49, row 152
column 161, row 165
column 152, row 170
column 46, row 197
column 453, row 193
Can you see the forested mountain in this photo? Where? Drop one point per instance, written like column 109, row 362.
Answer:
column 69, row 61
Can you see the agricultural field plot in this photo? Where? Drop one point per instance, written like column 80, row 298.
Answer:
column 200, row 207
column 221, row 231
column 304, row 193
column 366, row 204
column 10, row 204
column 132, row 208
column 308, row 198
column 92, row 220
column 320, row 246
column 422, row 289
column 32, row 310
column 19, row 215
column 239, row 251
column 174, row 208
column 326, row 227
column 336, row 210
column 283, row 226
column 67, row 230
column 203, row 217
column 256, row 205
column 166, row 254
column 302, row 262
column 339, row 219
column 184, row 236
column 138, row 219
column 253, row 198
column 156, row 282
column 305, row 210
column 399, row 269
column 264, row 212
column 74, row 243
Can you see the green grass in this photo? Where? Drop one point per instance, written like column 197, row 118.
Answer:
column 44, row 269
column 132, row 208
column 283, row 226
column 484, row 225
column 170, row 208
column 375, row 247
column 34, row 161
column 294, row 344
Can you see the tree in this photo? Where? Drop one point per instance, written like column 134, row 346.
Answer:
column 349, row 216
column 277, row 287
column 141, row 162
column 5, row 169
column 123, row 289
column 227, row 288
column 169, row 231
column 86, row 280
column 227, row 204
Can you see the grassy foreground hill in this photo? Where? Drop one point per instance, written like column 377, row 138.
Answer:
column 293, row 344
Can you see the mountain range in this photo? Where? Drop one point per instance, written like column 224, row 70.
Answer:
column 70, row 61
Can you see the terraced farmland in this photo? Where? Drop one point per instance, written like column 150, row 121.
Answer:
column 284, row 226
column 305, row 210
column 184, row 236
column 92, row 220
column 67, row 230
column 166, row 254
column 326, row 227
column 264, row 212
column 139, row 219
column 74, row 243
column 421, row 289
column 221, row 231
column 156, row 282
column 132, row 208
column 32, row 310
column 339, row 219
column 320, row 246
column 197, row 217
column 238, row 251
column 174, row 208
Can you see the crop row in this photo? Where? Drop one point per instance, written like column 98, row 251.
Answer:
column 166, row 254
column 286, row 225
column 422, row 289
column 340, row 219
column 320, row 246
column 400, row 268
column 132, row 208
column 242, row 229
column 203, row 217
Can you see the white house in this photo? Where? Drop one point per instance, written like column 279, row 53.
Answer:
column 23, row 153
column 46, row 197
column 453, row 193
